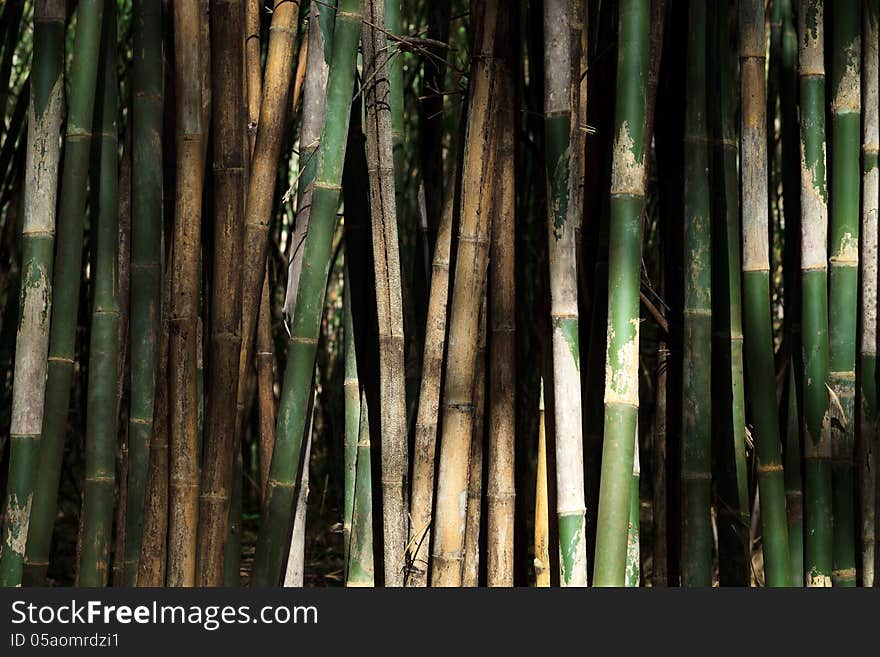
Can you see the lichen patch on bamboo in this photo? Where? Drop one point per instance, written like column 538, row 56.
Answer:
column 848, row 95
column 16, row 527
column 847, row 252
column 621, row 368
column 814, row 208
column 627, row 175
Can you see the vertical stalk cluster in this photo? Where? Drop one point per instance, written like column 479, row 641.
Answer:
column 65, row 303
column 470, row 272
column 296, row 390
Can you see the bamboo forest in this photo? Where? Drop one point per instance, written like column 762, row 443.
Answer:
column 446, row 293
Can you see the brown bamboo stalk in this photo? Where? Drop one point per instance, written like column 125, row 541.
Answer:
column 389, row 303
column 261, row 183
column 153, row 556
column 471, row 567
column 265, row 385
column 253, row 68
column 500, row 484
column 470, row 274
column 228, row 116
column 183, row 392
column 424, row 452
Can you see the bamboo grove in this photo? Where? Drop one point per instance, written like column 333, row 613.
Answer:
column 439, row 293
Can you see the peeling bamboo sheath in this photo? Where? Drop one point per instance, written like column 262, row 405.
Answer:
column 386, row 262
column 38, row 231
column 867, row 440
column 228, row 119
column 756, row 289
column 621, row 373
column 845, row 101
column 470, row 273
column 814, row 284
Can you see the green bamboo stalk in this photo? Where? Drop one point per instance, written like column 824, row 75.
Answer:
column 868, row 415
column 360, row 563
column 624, row 255
column 561, row 93
column 696, row 551
column 844, row 272
column 296, row 389
column 731, row 473
column 352, row 393
column 814, row 284
column 66, row 283
column 633, row 552
column 756, row 292
column 38, row 232
column 793, row 482
column 146, row 247
column 96, row 523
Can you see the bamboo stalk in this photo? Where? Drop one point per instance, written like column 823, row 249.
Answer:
column 424, row 452
column 228, row 116
column 621, row 379
column 296, row 389
column 96, row 523
column 360, row 565
column 470, row 274
column 814, row 283
column 253, row 70
column 868, row 416
column 389, row 303
column 470, row 573
column 265, row 384
column 269, row 139
column 183, row 394
column 500, row 482
column 633, row 547
column 45, row 108
column 730, row 442
column 756, row 288
column 696, row 552
column 843, row 277
column 147, row 95
column 793, row 482
column 65, row 294
column 152, row 560
column 352, row 394
column 561, row 92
